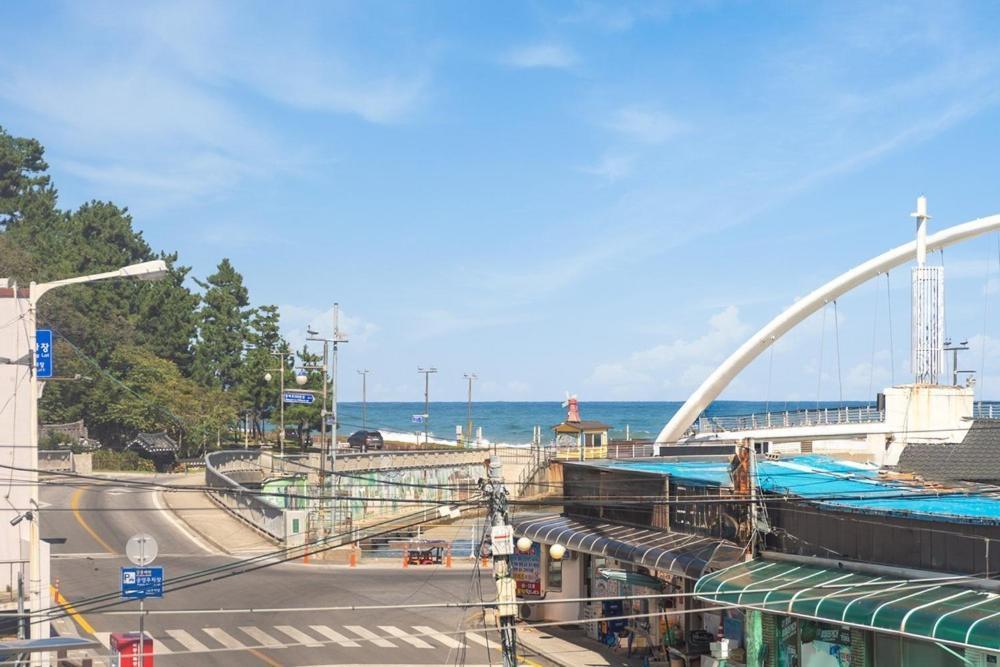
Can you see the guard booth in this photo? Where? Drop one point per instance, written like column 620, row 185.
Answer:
column 125, row 650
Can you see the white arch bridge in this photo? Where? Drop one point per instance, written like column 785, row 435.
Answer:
column 720, row 378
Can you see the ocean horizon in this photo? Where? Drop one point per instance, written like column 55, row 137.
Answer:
column 512, row 422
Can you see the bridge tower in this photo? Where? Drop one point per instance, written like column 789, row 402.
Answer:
column 927, row 311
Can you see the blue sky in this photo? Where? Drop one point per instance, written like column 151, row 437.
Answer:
column 604, row 198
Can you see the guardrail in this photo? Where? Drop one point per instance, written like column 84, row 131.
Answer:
column 791, row 418
column 983, row 410
column 55, row 460
column 238, row 499
column 400, row 460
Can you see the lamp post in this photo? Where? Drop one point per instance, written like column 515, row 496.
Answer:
column 282, row 355
column 22, row 342
column 427, row 388
column 468, row 434
column 364, row 398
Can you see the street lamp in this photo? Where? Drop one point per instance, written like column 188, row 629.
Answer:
column 468, row 435
column 24, row 347
column 427, row 387
column 364, row 398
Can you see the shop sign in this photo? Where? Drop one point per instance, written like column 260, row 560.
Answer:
column 526, row 568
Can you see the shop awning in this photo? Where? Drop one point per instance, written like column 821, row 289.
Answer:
column 679, row 553
column 938, row 607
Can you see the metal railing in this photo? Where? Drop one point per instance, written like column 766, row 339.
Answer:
column 983, row 410
column 238, row 499
column 791, row 418
column 631, row 449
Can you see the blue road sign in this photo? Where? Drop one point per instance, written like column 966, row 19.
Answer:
column 299, row 397
column 419, row 419
column 139, row 583
column 43, row 353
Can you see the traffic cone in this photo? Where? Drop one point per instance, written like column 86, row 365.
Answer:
column 447, row 560
column 354, row 558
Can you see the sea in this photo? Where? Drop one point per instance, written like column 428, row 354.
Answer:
column 513, row 422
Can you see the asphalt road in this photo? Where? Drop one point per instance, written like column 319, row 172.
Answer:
column 97, row 521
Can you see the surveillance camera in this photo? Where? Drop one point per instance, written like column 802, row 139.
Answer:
column 16, row 520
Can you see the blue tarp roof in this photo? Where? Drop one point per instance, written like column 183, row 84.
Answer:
column 844, row 484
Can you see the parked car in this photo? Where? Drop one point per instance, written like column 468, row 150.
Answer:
column 365, row 440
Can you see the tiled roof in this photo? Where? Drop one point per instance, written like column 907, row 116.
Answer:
column 975, row 459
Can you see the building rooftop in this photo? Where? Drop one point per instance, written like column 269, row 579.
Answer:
column 577, row 427
column 843, row 484
column 975, row 459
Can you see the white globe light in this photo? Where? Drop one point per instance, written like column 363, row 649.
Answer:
column 524, row 545
column 301, row 379
column 557, row 551
column 267, row 377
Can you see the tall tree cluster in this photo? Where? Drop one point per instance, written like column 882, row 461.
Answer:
column 181, row 355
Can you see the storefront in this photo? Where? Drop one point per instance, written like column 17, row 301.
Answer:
column 818, row 613
column 633, row 567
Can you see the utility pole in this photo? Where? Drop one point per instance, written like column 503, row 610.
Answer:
column 282, row 357
column 468, row 434
column 502, row 546
column 324, row 368
column 427, row 389
column 364, row 397
column 338, row 338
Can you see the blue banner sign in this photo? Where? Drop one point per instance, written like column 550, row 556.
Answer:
column 139, row 583
column 419, row 419
column 299, row 398
column 43, row 353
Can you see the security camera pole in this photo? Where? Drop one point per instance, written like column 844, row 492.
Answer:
column 502, row 547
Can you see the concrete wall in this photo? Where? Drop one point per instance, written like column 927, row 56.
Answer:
column 15, row 423
column 922, row 413
column 572, row 587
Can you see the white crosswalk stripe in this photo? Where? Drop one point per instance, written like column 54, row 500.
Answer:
column 369, row 636
column 401, row 634
column 159, row 648
column 334, row 636
column 104, row 638
column 480, row 638
column 434, row 634
column 260, row 636
column 185, row 639
column 223, row 637
column 298, row 636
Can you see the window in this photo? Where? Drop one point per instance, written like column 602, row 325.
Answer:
column 554, row 575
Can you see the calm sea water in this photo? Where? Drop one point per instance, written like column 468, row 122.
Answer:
column 512, row 422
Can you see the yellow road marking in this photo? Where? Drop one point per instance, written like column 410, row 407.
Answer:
column 270, row 661
column 74, row 504
column 74, row 614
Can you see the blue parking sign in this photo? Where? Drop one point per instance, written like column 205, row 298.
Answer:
column 43, row 353
column 139, row 583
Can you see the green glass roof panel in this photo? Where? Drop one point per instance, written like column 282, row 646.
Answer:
column 938, row 608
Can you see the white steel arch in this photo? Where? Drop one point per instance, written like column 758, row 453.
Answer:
column 803, row 308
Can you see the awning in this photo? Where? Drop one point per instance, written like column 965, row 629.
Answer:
column 679, row 553
column 937, row 608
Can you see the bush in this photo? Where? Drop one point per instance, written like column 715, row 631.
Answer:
column 107, row 459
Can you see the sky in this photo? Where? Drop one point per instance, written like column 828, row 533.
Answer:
column 602, row 198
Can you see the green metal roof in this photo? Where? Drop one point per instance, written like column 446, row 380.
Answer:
column 935, row 608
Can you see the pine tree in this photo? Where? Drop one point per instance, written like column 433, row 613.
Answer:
column 222, row 328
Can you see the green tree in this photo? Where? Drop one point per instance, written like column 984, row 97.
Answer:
column 306, row 418
column 257, row 395
column 26, row 191
column 222, row 328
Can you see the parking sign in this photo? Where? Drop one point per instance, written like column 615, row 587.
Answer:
column 139, row 583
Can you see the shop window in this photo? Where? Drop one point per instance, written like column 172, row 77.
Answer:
column 554, row 575
column 927, row 654
column 824, row 645
column 887, row 650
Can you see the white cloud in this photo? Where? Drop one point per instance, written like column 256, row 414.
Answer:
column 677, row 366
column 554, row 56
column 612, row 168
column 296, row 319
column 646, row 125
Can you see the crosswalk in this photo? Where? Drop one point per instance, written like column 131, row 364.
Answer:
column 422, row 637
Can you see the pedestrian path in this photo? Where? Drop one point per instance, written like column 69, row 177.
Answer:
column 417, row 637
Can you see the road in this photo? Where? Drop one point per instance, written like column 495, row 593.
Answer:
column 97, row 521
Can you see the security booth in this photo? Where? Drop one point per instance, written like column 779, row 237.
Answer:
column 125, row 650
